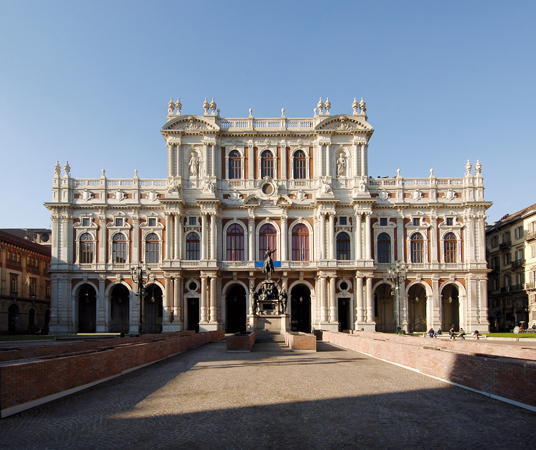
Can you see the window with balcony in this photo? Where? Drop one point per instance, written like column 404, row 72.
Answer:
column 417, row 248
column 343, row 246
column 235, row 243
column 300, row 243
column 235, row 165
column 450, row 248
column 193, row 247
column 267, row 164
column 384, row 248
column 86, row 249
column 152, row 249
column 300, row 165
column 119, row 248
column 267, row 240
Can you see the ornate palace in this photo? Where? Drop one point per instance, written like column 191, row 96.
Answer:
column 236, row 187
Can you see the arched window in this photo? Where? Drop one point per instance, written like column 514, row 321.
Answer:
column 192, row 247
column 300, row 165
column 119, row 248
column 300, row 243
column 267, row 164
column 417, row 248
column 86, row 249
column 384, row 248
column 13, row 285
column 235, row 243
column 235, row 165
column 267, row 240
column 450, row 248
column 343, row 246
column 152, row 249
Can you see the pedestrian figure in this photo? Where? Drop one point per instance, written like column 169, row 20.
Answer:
column 452, row 333
column 462, row 334
column 476, row 334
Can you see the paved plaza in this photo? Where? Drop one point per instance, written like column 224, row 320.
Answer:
column 272, row 398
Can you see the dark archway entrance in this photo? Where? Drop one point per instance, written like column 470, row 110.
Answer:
column 384, row 307
column 236, row 309
column 344, row 313
column 119, row 309
column 417, row 309
column 14, row 319
column 87, row 309
column 450, row 308
column 47, row 321
column 192, row 322
column 300, row 308
column 153, row 309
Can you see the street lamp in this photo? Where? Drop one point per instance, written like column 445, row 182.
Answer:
column 398, row 275
column 137, row 273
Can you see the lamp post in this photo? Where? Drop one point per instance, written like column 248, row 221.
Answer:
column 137, row 273
column 398, row 275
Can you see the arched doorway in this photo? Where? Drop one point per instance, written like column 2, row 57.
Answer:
column 300, row 308
column 450, row 307
column 236, row 309
column 119, row 309
column 32, row 325
column 14, row 319
column 384, row 308
column 417, row 309
column 343, row 304
column 153, row 308
column 87, row 309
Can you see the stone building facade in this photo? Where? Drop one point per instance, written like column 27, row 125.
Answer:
column 236, row 187
column 511, row 253
column 24, row 285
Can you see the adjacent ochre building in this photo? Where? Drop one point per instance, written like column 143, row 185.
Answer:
column 511, row 249
column 237, row 186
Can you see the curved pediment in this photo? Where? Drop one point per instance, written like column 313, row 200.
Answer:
column 343, row 123
column 191, row 124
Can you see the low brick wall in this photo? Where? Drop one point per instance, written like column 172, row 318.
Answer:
column 511, row 378
column 240, row 342
column 301, row 342
column 28, row 383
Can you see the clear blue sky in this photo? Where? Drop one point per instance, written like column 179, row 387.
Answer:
column 89, row 82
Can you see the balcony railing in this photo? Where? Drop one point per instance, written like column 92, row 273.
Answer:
column 505, row 289
column 517, row 263
column 516, row 287
column 529, row 286
column 530, row 235
column 505, row 245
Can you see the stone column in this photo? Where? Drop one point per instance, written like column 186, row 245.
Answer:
column 328, row 162
column 213, row 154
column 168, row 311
column 482, row 239
column 284, row 233
column 435, row 306
column 169, row 160
column 135, row 257
column 213, row 307
column 400, row 238
column 332, row 245
column 102, row 239
column 368, row 237
column 203, row 236
column 177, row 235
column 102, row 321
column 359, row 299
column 203, row 318
column 168, row 236
column 370, row 301
column 433, row 235
column 284, row 163
column 251, row 162
column 213, row 236
column 251, row 235
column 323, row 236
column 177, row 301
column 358, row 241
column 205, row 162
column 323, row 300
column 178, row 168
column 364, row 172
column 332, row 301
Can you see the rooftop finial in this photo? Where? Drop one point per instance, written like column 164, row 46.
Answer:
column 178, row 105
column 57, row 169
column 67, row 169
column 478, row 167
column 468, row 168
column 206, row 106
column 213, row 106
column 250, row 112
column 328, row 105
column 170, row 106
column 320, row 106
column 282, row 113
column 363, row 106
column 355, row 105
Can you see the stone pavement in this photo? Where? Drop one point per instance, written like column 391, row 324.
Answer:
column 271, row 398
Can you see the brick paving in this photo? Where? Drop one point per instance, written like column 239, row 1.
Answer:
column 271, row 398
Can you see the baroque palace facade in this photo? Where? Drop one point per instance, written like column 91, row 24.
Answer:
column 238, row 187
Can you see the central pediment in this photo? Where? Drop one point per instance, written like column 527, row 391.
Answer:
column 191, row 124
column 343, row 123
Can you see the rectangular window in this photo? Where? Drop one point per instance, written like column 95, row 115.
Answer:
column 450, row 221
column 342, row 221
column 85, row 222
column 13, row 284
column 416, row 222
column 152, row 222
column 383, row 221
column 192, row 221
column 533, row 251
column 33, row 283
column 118, row 222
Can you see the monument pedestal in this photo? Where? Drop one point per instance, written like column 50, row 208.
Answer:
column 208, row 326
column 273, row 323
